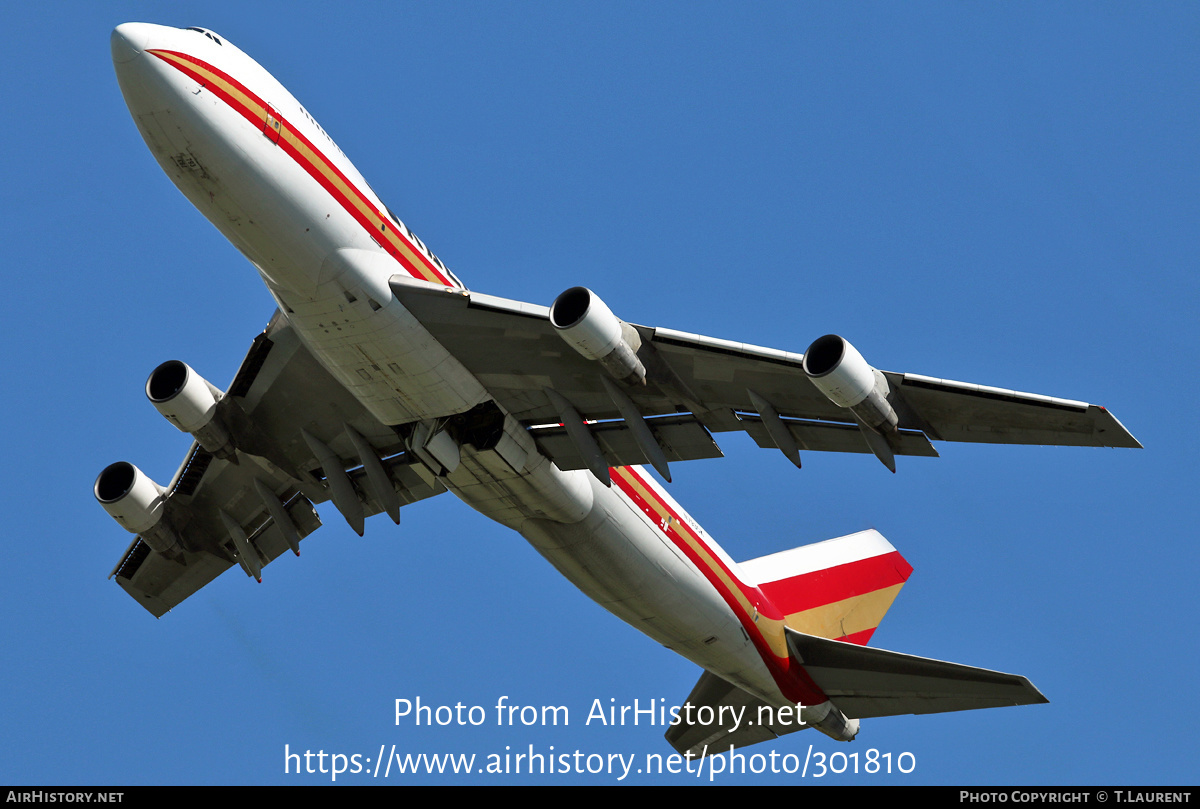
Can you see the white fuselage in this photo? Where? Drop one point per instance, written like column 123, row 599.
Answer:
column 260, row 168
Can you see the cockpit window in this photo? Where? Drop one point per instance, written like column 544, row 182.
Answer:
column 208, row 34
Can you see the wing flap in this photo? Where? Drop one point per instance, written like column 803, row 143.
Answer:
column 159, row 584
column 682, row 438
column 828, row 436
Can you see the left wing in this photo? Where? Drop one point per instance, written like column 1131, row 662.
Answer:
column 285, row 435
column 681, row 387
column 741, row 719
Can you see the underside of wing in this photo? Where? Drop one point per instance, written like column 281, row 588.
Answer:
column 957, row 411
column 679, row 383
column 284, row 436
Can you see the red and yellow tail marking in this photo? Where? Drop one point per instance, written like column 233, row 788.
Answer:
column 843, row 602
column 277, row 128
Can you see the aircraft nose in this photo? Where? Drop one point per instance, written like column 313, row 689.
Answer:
column 128, row 41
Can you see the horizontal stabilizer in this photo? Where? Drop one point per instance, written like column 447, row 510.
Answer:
column 727, row 702
column 867, row 682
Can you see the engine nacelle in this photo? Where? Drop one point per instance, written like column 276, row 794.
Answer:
column 841, row 373
column 590, row 327
column 189, row 401
column 829, row 719
column 137, row 503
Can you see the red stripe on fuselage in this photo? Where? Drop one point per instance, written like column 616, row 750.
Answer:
column 792, row 680
column 256, row 115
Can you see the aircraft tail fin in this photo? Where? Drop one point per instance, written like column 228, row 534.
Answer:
column 834, row 595
column 838, row 589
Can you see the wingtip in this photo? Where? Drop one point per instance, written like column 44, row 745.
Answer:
column 1123, row 438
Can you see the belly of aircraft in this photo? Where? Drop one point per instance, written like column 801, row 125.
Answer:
column 622, row 561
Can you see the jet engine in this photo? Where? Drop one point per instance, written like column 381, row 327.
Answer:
column 137, row 503
column 841, row 373
column 189, row 401
column 829, row 719
column 590, row 327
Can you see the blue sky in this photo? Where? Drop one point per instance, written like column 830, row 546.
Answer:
column 1001, row 194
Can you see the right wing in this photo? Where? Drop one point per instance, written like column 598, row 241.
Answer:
column 699, row 385
column 305, row 439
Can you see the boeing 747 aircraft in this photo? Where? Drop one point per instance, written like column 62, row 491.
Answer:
column 382, row 380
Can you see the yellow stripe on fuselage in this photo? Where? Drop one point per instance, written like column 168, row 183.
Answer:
column 770, row 629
